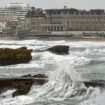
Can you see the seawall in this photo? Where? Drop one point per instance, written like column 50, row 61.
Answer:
column 52, row 37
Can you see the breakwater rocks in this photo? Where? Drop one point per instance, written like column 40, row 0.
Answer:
column 59, row 49
column 22, row 84
column 14, row 56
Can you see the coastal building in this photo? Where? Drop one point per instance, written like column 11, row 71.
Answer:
column 38, row 21
column 12, row 14
column 35, row 18
column 23, row 27
column 77, row 20
column 2, row 26
column 66, row 19
column 14, row 11
column 10, row 27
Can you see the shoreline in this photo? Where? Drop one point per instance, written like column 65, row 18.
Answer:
column 51, row 38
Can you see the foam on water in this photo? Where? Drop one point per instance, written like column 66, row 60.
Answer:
column 30, row 65
column 62, row 85
column 96, row 98
column 87, row 44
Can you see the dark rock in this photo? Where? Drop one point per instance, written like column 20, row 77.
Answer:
column 27, row 76
column 22, row 84
column 14, row 56
column 39, row 79
column 100, row 84
column 40, row 76
column 59, row 49
column 35, row 76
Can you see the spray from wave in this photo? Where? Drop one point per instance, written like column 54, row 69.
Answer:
column 63, row 86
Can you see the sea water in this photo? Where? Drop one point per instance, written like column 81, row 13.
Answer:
column 85, row 62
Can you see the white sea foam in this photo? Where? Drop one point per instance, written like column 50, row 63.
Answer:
column 20, row 100
column 62, row 83
column 96, row 98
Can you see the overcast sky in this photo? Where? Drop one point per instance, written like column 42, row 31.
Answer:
column 79, row 4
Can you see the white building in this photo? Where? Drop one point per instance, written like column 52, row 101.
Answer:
column 2, row 26
column 14, row 11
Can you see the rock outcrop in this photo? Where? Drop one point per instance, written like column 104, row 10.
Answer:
column 99, row 83
column 22, row 84
column 59, row 49
column 35, row 76
column 14, row 56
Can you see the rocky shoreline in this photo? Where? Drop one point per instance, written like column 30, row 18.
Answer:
column 10, row 56
column 24, row 83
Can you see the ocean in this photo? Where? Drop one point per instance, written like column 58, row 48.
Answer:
column 85, row 62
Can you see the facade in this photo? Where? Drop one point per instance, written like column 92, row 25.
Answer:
column 2, row 26
column 33, row 22
column 23, row 27
column 36, row 20
column 10, row 27
column 12, row 14
column 39, row 21
column 14, row 11
column 56, row 20
column 78, row 20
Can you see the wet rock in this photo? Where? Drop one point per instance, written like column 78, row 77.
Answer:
column 22, row 84
column 40, row 76
column 35, row 76
column 59, row 49
column 39, row 79
column 100, row 84
column 14, row 56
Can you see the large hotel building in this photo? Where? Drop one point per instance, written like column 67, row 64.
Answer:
column 26, row 20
